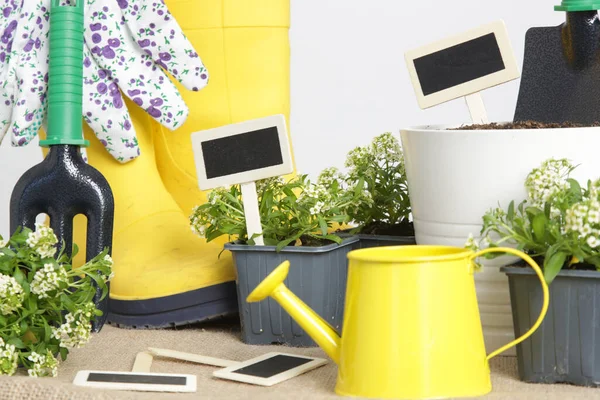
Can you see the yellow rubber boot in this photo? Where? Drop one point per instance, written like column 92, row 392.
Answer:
column 164, row 274
column 244, row 44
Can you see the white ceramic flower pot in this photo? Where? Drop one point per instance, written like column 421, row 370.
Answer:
column 454, row 177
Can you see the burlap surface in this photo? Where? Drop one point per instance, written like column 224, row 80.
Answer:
column 115, row 349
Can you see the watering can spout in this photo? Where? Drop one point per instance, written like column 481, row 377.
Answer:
column 318, row 329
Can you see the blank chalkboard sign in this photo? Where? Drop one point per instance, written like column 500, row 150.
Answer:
column 462, row 65
column 136, row 381
column 242, row 153
column 270, row 369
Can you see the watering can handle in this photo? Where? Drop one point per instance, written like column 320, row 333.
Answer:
column 540, row 275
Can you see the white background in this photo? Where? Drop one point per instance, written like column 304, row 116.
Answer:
column 349, row 80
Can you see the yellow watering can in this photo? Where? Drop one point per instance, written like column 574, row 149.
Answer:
column 411, row 323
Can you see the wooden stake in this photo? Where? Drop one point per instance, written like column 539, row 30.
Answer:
column 252, row 212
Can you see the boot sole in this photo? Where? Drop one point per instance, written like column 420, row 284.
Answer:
column 171, row 311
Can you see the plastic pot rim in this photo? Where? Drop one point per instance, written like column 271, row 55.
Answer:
column 508, row 270
column 232, row 246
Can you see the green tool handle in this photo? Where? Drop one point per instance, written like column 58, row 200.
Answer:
column 65, row 76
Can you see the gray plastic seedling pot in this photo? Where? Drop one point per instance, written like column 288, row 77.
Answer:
column 566, row 347
column 317, row 276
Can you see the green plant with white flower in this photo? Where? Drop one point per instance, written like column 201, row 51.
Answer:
column 378, row 173
column 46, row 305
column 558, row 223
column 293, row 212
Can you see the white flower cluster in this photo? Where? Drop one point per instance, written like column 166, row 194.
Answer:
column 43, row 364
column 43, row 240
column 76, row 331
column 8, row 358
column 197, row 226
column 357, row 157
column 330, row 175
column 548, row 180
column 386, row 148
column 584, row 219
column 317, row 197
column 265, row 184
column 3, row 242
column 48, row 279
column 109, row 261
column 11, row 294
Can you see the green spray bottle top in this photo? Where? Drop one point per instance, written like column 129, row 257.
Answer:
column 65, row 76
column 578, row 5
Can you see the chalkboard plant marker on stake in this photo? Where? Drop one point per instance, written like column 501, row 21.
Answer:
column 463, row 66
column 63, row 185
column 241, row 154
column 472, row 170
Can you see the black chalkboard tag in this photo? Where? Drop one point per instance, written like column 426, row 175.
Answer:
column 270, row 369
column 266, row 370
column 136, row 381
column 243, row 153
column 462, row 66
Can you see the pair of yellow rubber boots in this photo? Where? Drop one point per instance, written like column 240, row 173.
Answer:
column 164, row 274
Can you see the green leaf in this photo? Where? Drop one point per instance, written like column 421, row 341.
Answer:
column 8, row 252
column 539, row 226
column 67, row 301
column 32, row 304
column 47, row 331
column 340, row 218
column 334, row 238
column 359, row 187
column 2, row 320
column 547, row 209
column 19, row 276
column 213, row 235
column 17, row 342
column 75, row 250
column 575, row 188
column 284, row 243
column 63, row 353
column 323, row 226
column 510, row 215
column 521, row 206
column 553, row 266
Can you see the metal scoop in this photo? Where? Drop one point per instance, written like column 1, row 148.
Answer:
column 560, row 82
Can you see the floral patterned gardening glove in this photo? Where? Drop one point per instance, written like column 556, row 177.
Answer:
column 130, row 44
column 10, row 11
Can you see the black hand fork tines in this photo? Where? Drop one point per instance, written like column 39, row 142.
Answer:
column 63, row 186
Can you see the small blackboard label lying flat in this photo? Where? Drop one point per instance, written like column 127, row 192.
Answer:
column 137, row 378
column 270, row 369
column 272, row 366
column 242, row 153
column 462, row 65
column 136, row 381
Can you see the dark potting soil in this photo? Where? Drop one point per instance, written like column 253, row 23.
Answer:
column 404, row 228
column 308, row 241
column 523, row 125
